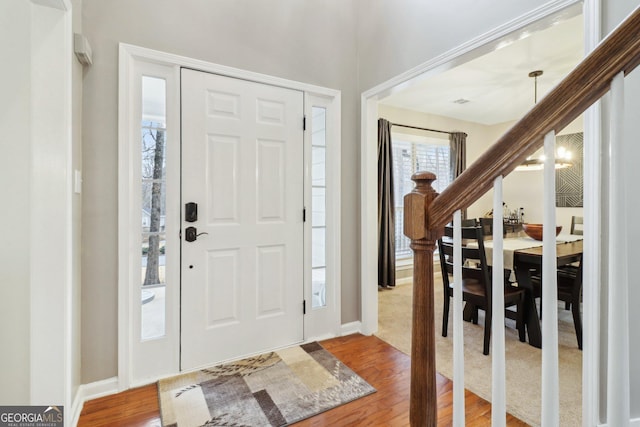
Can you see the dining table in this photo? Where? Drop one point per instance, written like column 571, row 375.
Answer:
column 523, row 256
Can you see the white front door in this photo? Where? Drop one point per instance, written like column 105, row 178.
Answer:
column 242, row 165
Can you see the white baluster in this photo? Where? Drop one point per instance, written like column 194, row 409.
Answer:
column 458, row 341
column 550, row 388
column 498, row 382
column 618, row 405
column 591, row 258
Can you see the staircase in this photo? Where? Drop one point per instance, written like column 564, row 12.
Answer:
column 427, row 212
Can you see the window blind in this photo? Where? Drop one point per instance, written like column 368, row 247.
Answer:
column 409, row 158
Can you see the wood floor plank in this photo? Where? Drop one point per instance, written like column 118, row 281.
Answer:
column 137, row 407
column 384, row 367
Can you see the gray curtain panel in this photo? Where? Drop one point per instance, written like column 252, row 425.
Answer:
column 458, row 153
column 386, row 206
column 458, row 156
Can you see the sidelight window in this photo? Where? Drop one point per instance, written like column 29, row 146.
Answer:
column 318, row 207
column 153, row 212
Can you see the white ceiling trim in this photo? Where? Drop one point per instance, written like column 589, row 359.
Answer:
column 479, row 46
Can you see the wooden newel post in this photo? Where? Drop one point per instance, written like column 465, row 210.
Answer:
column 423, row 409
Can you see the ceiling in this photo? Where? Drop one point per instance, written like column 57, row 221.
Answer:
column 497, row 85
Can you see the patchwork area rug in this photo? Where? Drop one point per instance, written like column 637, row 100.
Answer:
column 273, row 389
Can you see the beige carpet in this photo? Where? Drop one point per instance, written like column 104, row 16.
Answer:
column 523, row 371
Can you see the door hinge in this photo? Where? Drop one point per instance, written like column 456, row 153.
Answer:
column 304, row 122
column 304, row 306
column 304, row 214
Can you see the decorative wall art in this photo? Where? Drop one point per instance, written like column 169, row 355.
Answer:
column 569, row 181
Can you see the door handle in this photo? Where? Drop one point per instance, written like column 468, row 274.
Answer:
column 191, row 234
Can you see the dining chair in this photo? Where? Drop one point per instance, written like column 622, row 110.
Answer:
column 487, row 226
column 469, row 222
column 577, row 225
column 569, row 291
column 476, row 283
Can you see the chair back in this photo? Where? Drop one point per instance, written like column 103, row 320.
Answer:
column 469, row 222
column 487, row 226
column 474, row 261
column 577, row 224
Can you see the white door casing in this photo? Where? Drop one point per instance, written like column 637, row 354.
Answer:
column 242, row 163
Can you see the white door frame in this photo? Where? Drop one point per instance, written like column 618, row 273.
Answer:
column 368, row 167
column 133, row 60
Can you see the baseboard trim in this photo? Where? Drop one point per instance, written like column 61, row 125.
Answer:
column 91, row 391
column 99, row 388
column 76, row 408
column 351, row 328
column 634, row 422
column 404, row 281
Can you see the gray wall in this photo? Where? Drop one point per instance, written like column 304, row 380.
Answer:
column 76, row 230
column 309, row 41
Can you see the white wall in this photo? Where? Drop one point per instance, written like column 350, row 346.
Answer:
column 312, row 41
column 524, row 189
column 39, row 304
column 15, row 80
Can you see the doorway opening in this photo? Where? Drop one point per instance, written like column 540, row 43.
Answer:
column 380, row 104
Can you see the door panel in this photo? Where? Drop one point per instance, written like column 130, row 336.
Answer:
column 242, row 163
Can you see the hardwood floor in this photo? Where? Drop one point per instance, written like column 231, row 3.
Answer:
column 384, row 367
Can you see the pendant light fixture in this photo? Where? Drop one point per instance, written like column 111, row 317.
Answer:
column 563, row 156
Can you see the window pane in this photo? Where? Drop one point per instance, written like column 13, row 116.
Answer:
column 434, row 158
column 153, row 214
column 409, row 158
column 153, row 312
column 403, row 250
column 318, row 166
column 317, row 247
column 318, row 286
column 153, row 197
column 319, row 208
column 318, row 126
column 153, row 153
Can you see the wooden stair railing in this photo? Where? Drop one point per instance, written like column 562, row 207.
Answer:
column 426, row 212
